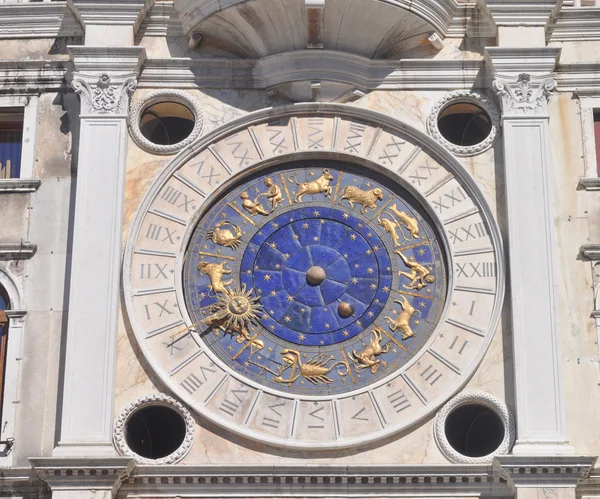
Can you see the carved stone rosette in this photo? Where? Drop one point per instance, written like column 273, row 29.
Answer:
column 525, row 94
column 104, row 94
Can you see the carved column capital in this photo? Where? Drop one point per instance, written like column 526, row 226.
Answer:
column 524, row 94
column 103, row 94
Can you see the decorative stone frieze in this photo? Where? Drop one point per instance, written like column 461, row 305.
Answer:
column 525, row 95
column 153, row 400
column 480, row 398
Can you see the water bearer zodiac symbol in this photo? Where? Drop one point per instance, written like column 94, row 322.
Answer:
column 365, row 198
column 314, row 186
column 230, row 238
column 314, row 370
column 252, row 207
column 215, row 272
column 419, row 276
column 402, row 321
column 366, row 358
column 391, row 225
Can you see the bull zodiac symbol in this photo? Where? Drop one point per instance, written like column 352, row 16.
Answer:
column 365, row 198
column 402, row 321
column 314, row 370
column 215, row 272
column 225, row 237
column 366, row 358
column 391, row 225
column 314, row 186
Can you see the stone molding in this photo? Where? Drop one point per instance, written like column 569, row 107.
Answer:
column 140, row 105
column 590, row 183
column 101, row 94
column 590, row 251
column 153, row 400
column 19, row 186
column 78, row 474
column 511, row 60
column 464, row 96
column 473, row 397
column 575, row 24
column 120, row 13
column 525, row 95
column 38, row 20
column 17, row 251
column 544, row 471
column 522, row 13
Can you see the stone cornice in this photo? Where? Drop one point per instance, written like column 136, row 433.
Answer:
column 582, row 78
column 38, row 20
column 75, row 474
column 111, row 60
column 19, row 186
column 17, row 251
column 535, row 61
column 590, row 183
column 111, row 12
column 575, row 24
column 521, row 12
column 271, row 71
column 161, row 20
column 539, row 472
column 590, row 251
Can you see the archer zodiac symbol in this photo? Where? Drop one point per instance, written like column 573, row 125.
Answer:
column 314, row 370
column 365, row 198
column 419, row 276
column 314, row 186
column 366, row 358
column 391, row 225
column 215, row 272
column 225, row 237
column 252, row 207
column 402, row 321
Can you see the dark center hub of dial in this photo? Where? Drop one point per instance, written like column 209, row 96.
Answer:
column 315, row 275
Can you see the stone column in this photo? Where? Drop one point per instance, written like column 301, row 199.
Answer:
column 104, row 79
column 528, row 178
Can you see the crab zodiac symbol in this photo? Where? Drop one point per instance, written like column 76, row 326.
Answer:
column 225, row 237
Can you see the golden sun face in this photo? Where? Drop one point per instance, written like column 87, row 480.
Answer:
column 237, row 307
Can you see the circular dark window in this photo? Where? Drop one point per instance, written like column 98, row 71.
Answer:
column 474, row 430
column 167, row 123
column 464, row 124
column 155, row 431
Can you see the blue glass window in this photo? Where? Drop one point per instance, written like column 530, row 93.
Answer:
column 11, row 138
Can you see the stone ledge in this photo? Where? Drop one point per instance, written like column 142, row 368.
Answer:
column 17, row 185
column 17, row 251
column 590, row 183
column 590, row 251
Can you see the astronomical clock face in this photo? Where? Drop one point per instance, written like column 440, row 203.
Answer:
column 313, row 302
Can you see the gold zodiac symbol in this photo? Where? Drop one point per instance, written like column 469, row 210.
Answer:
column 252, row 207
column 215, row 272
column 314, row 186
column 419, row 276
column 225, row 237
column 402, row 321
column 366, row 358
column 273, row 194
column 314, row 370
column 410, row 224
column 391, row 225
column 365, row 198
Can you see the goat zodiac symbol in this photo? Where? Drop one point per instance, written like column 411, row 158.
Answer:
column 314, row 186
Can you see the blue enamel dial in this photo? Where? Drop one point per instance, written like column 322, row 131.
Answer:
column 317, row 278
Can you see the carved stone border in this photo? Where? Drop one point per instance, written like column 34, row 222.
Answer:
column 473, row 397
column 457, row 97
column 146, row 401
column 139, row 106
